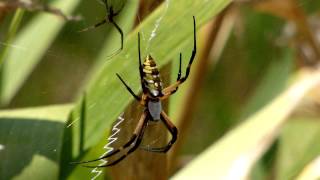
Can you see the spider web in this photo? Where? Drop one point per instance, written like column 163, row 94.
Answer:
column 149, row 38
column 108, row 147
column 58, row 63
column 115, row 129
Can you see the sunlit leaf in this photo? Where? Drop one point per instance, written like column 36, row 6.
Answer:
column 30, row 142
column 303, row 148
column 311, row 171
column 28, row 48
column 233, row 156
column 125, row 20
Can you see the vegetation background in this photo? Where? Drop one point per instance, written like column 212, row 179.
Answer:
column 250, row 109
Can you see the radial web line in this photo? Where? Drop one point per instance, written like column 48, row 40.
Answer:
column 157, row 24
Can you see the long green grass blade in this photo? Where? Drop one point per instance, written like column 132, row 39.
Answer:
column 16, row 20
column 232, row 157
column 303, row 148
column 30, row 142
column 29, row 47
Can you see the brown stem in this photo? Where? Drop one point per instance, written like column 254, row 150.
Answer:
column 291, row 11
column 305, row 31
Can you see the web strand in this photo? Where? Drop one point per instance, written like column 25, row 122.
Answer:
column 111, row 139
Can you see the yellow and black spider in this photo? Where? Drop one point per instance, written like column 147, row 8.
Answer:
column 152, row 95
column 109, row 19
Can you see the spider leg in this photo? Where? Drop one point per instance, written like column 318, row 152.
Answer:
column 180, row 62
column 110, row 17
column 194, row 51
column 178, row 78
column 121, row 38
column 120, row 32
column 173, row 88
column 174, row 133
column 114, row 13
column 106, row 3
column 128, row 88
column 94, row 26
column 110, row 9
column 136, row 138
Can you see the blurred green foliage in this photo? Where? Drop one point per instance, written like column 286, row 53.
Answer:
column 256, row 66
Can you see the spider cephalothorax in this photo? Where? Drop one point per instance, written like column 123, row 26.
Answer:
column 152, row 95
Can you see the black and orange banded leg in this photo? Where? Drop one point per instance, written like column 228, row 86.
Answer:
column 173, row 131
column 134, row 141
column 173, row 88
column 179, row 75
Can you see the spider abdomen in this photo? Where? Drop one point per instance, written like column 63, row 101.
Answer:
column 151, row 77
column 155, row 109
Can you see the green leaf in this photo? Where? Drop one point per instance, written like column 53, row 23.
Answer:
column 106, row 97
column 125, row 20
column 269, row 88
column 30, row 142
column 266, row 90
column 12, row 31
column 28, row 48
column 234, row 155
column 311, row 171
column 303, row 148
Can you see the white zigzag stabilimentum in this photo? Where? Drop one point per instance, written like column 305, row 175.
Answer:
column 111, row 139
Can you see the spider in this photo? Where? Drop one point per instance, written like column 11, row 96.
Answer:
column 109, row 18
column 152, row 95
